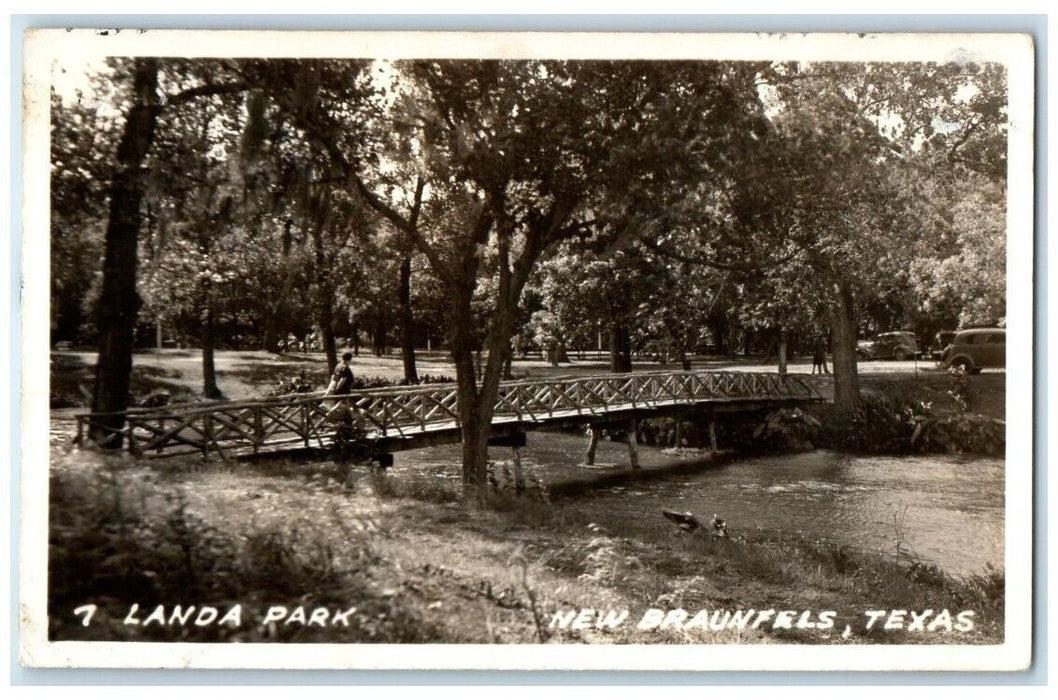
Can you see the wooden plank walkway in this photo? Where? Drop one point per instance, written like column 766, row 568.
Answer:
column 397, row 418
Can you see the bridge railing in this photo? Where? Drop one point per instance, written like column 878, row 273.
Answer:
column 249, row 426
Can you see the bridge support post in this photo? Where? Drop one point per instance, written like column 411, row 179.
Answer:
column 519, row 475
column 207, row 435
column 593, row 442
column 258, row 429
column 712, row 435
column 633, row 452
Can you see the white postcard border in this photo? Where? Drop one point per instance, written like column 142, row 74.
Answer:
column 42, row 46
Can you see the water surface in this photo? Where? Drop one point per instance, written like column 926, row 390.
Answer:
column 944, row 510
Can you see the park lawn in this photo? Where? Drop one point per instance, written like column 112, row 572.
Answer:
column 244, row 375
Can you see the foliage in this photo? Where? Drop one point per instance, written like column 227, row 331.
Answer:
column 295, row 384
column 882, row 424
column 761, row 194
column 83, row 140
column 121, row 535
column 669, row 204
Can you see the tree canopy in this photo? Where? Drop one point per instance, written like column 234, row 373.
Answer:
column 674, row 207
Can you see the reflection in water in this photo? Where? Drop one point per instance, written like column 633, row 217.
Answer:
column 944, row 510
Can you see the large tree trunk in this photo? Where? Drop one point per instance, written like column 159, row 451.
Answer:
column 718, row 325
column 477, row 401
column 620, row 348
column 475, row 415
column 782, row 351
column 270, row 342
column 474, row 429
column 378, row 337
column 407, row 336
column 210, row 390
column 325, row 320
column 324, row 292
column 119, row 303
column 476, row 421
column 273, row 333
column 330, row 347
column 843, row 336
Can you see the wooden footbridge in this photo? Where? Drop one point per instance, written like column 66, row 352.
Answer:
column 401, row 418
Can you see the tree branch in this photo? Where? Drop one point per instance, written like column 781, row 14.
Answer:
column 206, row 90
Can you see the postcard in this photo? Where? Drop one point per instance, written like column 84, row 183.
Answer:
column 426, row 350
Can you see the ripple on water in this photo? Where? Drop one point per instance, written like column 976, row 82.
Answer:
column 927, row 505
column 949, row 510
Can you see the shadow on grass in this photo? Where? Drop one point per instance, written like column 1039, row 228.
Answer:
column 72, row 379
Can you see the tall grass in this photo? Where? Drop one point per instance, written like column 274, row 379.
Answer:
column 123, row 535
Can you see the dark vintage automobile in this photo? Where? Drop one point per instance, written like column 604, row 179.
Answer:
column 895, row 345
column 941, row 341
column 973, row 350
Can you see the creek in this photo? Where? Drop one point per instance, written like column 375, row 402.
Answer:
column 939, row 509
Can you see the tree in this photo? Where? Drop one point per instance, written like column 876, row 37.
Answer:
column 827, row 193
column 196, row 195
column 119, row 302
column 962, row 275
column 867, row 138
column 83, row 146
column 512, row 158
column 577, row 295
column 555, row 152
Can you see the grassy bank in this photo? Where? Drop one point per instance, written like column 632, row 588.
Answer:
column 928, row 412
column 415, row 564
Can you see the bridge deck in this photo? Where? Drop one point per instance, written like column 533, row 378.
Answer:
column 408, row 417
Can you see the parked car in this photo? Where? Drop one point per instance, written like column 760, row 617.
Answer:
column 976, row 349
column 941, row 341
column 895, row 345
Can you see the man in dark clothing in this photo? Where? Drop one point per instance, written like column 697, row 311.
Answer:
column 341, row 384
column 348, row 429
column 819, row 357
column 342, row 379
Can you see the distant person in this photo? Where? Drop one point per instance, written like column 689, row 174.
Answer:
column 342, row 379
column 341, row 384
column 819, row 357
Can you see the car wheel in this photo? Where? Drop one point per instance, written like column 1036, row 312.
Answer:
column 964, row 365
column 900, row 355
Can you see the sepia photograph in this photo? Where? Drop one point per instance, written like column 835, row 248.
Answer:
column 535, row 351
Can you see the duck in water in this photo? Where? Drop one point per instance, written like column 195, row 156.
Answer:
column 719, row 526
column 689, row 523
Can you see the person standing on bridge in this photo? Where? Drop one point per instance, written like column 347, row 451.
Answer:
column 341, row 384
column 342, row 379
